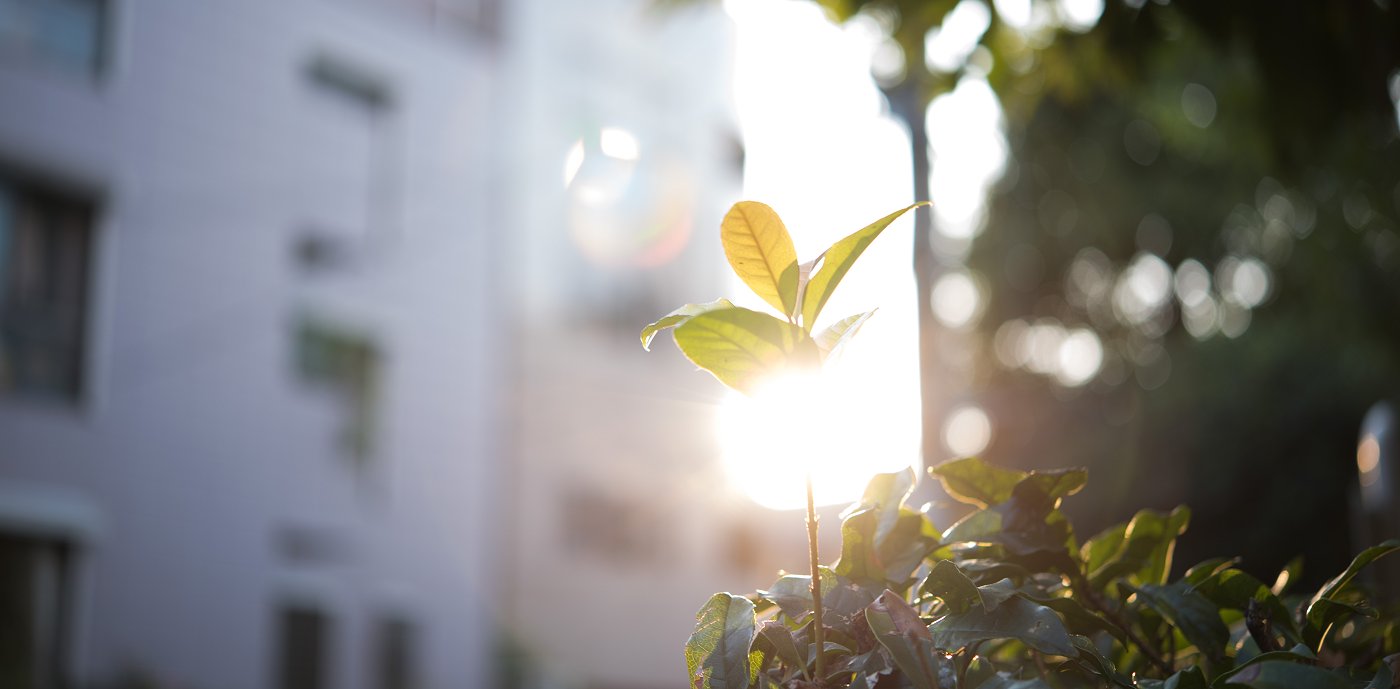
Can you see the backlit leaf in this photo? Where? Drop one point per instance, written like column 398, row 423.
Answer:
column 717, row 653
column 1366, row 557
column 1034, row 625
column 976, row 482
column 858, row 555
column 899, row 631
column 793, row 592
column 835, row 336
column 837, row 262
column 760, row 250
column 1286, row 675
column 742, row 348
column 948, row 583
column 1196, row 617
column 679, row 316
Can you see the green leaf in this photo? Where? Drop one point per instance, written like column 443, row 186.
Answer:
column 1288, row 576
column 793, row 592
column 1367, row 556
column 1102, row 548
column 742, row 348
column 1196, row 617
column 780, row 637
column 884, row 493
column 1059, row 483
column 858, row 555
column 1201, row 571
column 1190, row 678
column 1234, row 589
column 1384, row 679
column 1306, row 658
column 949, row 584
column 1034, row 625
column 1286, row 675
column 899, row 631
column 994, row 594
column 1329, row 611
column 837, row 262
column 760, row 250
column 839, row 333
column 717, row 653
column 1146, row 554
column 1002, row 680
column 679, row 316
column 976, row 482
column 1091, row 658
column 981, row 526
column 1079, row 619
column 903, row 548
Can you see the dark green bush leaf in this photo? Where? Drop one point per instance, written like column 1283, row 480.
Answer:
column 1287, row 675
column 1002, row 680
column 885, row 494
column 949, row 584
column 1234, row 589
column 904, row 547
column 1191, row 613
column 1145, row 556
column 858, row 556
column 1090, row 657
column 1366, row 557
column 777, row 635
column 1034, row 625
column 976, row 482
column 899, row 631
column 793, row 593
column 1190, row 678
column 717, row 653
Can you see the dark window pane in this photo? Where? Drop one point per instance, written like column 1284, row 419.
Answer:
column 302, row 638
column 34, row 605
column 67, row 34
column 395, row 654
column 45, row 261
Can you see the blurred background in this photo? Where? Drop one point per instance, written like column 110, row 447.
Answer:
column 318, row 318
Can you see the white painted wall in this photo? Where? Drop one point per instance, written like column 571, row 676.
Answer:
column 197, row 442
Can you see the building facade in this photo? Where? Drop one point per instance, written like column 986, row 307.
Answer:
column 249, row 350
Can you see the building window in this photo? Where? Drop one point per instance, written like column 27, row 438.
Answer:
column 346, row 365
column 622, row 531
column 35, row 605
column 394, row 653
column 67, row 34
column 45, row 261
column 303, row 648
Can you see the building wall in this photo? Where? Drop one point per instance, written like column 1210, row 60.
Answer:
column 200, row 469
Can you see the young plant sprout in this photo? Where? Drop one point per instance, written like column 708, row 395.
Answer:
column 1008, row 597
column 750, row 350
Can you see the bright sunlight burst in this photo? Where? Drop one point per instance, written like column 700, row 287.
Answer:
column 821, row 150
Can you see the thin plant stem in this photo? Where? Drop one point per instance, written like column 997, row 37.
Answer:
column 818, row 632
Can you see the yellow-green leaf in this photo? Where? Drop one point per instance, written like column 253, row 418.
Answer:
column 760, row 250
column 717, row 653
column 679, row 316
column 838, row 261
column 742, row 347
column 839, row 333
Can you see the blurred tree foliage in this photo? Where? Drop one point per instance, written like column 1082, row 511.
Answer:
column 1260, row 134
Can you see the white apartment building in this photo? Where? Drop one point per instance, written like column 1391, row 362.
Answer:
column 250, row 343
